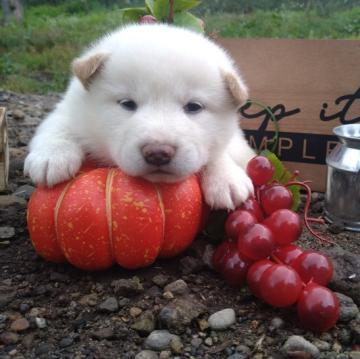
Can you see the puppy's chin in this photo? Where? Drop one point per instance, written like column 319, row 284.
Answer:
column 159, row 176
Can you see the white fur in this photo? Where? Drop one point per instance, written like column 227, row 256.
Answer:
column 161, row 68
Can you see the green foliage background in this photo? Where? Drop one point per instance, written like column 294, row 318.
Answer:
column 35, row 55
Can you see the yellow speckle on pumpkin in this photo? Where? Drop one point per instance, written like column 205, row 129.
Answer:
column 125, row 217
column 70, row 225
column 115, row 225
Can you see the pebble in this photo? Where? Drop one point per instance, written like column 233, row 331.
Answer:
column 237, row 356
column 18, row 114
column 19, row 325
column 144, row 324
column 7, row 232
column 348, row 309
column 321, row 345
column 8, row 338
column 276, row 323
column 127, row 287
column 66, row 342
column 43, row 348
column 176, row 345
column 40, row 322
column 243, row 350
column 3, row 318
column 160, row 280
column 159, row 339
column 179, row 287
column 109, row 305
column 24, row 307
column 147, row 354
column 208, row 341
column 355, row 355
column 297, row 343
column 203, row 324
column 180, row 313
column 103, row 333
column 168, row 295
column 135, row 311
column 190, row 265
column 10, row 200
column 196, row 342
column 222, row 319
column 165, row 354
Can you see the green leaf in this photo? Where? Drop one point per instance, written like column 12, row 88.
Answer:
column 133, row 14
column 282, row 175
column 161, row 8
column 150, row 6
column 185, row 19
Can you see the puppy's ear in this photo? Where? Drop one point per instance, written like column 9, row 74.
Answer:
column 236, row 88
column 85, row 69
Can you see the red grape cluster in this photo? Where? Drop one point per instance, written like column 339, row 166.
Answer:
column 260, row 251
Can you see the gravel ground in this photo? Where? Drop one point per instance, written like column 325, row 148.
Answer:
column 173, row 309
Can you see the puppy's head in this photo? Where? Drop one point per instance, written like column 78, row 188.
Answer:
column 160, row 100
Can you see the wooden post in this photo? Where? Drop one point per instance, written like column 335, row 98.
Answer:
column 4, row 151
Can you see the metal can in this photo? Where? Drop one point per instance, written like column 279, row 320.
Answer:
column 342, row 197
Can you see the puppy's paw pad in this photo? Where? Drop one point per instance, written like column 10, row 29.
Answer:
column 54, row 164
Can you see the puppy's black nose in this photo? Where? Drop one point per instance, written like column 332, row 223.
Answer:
column 158, row 154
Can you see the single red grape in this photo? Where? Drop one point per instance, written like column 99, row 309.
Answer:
column 254, row 274
column 252, row 205
column 260, row 170
column 235, row 269
column 256, row 242
column 275, row 197
column 147, row 19
column 287, row 254
column 220, row 254
column 318, row 308
column 280, row 286
column 237, row 222
column 285, row 226
column 314, row 266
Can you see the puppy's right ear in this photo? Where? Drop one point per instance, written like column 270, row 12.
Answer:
column 86, row 68
column 236, row 87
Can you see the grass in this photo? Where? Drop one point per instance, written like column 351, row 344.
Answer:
column 35, row 56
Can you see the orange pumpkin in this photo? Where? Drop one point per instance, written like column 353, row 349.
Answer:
column 103, row 217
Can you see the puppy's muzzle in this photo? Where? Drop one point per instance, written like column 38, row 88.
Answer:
column 158, row 154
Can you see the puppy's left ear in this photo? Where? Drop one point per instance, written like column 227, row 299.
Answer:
column 85, row 69
column 236, row 87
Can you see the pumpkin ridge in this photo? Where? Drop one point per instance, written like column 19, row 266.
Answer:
column 162, row 208
column 57, row 208
column 108, row 190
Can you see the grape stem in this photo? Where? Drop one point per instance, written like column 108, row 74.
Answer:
column 307, row 219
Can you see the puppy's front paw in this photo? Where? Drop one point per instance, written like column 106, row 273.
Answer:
column 226, row 188
column 54, row 163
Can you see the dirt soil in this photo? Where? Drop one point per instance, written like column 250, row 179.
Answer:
column 57, row 311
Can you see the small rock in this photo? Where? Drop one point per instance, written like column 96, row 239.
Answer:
column 348, row 309
column 103, row 333
column 276, row 323
column 135, row 311
column 8, row 338
column 109, row 305
column 66, row 342
column 190, row 265
column 43, row 348
column 10, row 200
column 336, row 227
column 7, row 232
column 18, row 114
column 159, row 339
column 203, row 324
column 166, row 354
column 3, row 318
column 176, row 345
column 160, row 280
column 24, row 192
column 147, row 354
column 244, row 350
column 145, row 324
column 344, row 336
column 40, row 322
column 123, row 302
column 19, row 325
column 24, row 307
column 179, row 287
column 322, row 345
column 89, row 299
column 180, row 312
column 296, row 343
column 222, row 319
column 355, row 329
column 208, row 341
column 207, row 256
column 237, row 356
column 28, row 340
column 196, row 342
column 168, row 295
column 355, row 355
column 336, row 347
column 127, row 287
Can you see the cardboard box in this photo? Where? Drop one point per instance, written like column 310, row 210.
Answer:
column 4, row 151
column 312, row 86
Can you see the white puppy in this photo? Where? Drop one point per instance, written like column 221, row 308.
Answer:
column 157, row 101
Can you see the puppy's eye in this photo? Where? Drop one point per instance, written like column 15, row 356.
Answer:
column 193, row 107
column 128, row 104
